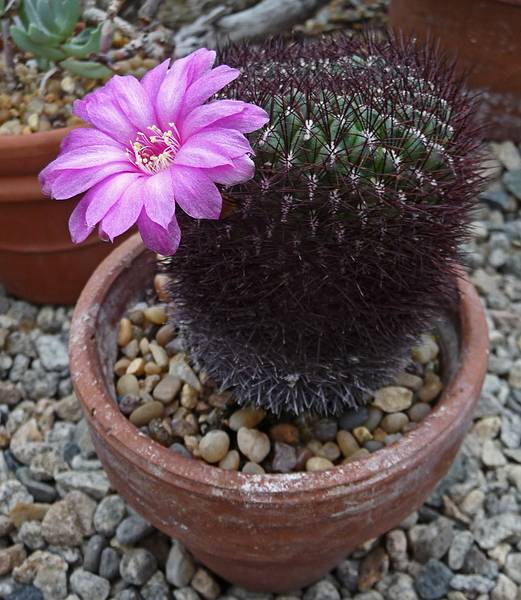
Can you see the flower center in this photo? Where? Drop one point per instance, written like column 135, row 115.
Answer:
column 152, row 152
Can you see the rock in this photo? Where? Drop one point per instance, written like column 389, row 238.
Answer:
column 252, row 468
column 392, row 399
column 26, row 442
column 137, row 566
column 180, row 566
column 347, row 574
column 181, row 369
column 9, row 393
column 394, row 422
column 30, row 533
column 512, row 181
column 432, row 540
column 93, row 483
column 426, row 351
column 317, row 463
column 12, row 492
column 347, row 443
column 353, row 418
column 396, row 546
column 132, row 529
column 231, row 461
column 11, row 557
column 47, row 463
column 433, row 580
column 284, row 458
column 491, row 454
column 156, row 588
column 248, row 417
column 143, row 414
column 254, row 444
column 285, row 433
column 373, row 568
column 26, row 592
column 401, row 588
column 92, row 553
column 492, row 531
column 52, row 352
column 109, row 513
column 514, row 377
column 459, row 548
column 187, row 593
column 505, row 589
column 214, row 446
column 47, row 572
column 472, row 584
column 322, row 590
column 69, row 409
column 205, row 584
column 418, row 411
column 167, row 389
column 325, row 430
column 61, row 525
column 109, row 564
column 89, row 586
column 431, row 388
column 513, row 566
column 41, row 492
column 27, row 511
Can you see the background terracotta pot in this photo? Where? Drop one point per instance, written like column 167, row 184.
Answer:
column 266, row 532
column 38, row 261
column 485, row 35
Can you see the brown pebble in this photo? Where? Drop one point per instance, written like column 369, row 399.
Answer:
column 144, row 346
column 317, row 463
column 161, row 285
column 11, row 557
column 214, row 446
column 189, row 396
column 192, row 444
column 131, row 350
column 160, row 430
column 373, row 568
column 156, row 314
column 347, row 442
column 254, row 444
column 165, row 334
column 167, row 389
column 124, row 332
column 362, row 434
column 145, row 413
column 431, row 388
column 285, row 433
column 150, row 382
column 136, row 315
column 120, row 368
column 379, row 434
column 152, row 369
column 136, row 367
column 361, row 453
column 330, row 451
column 27, row 511
column 127, row 384
column 185, row 423
column 408, row 380
column 303, row 455
column 419, row 411
column 393, row 398
column 395, row 422
column 248, row 417
column 159, row 354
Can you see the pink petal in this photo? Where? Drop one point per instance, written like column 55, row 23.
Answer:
column 103, row 112
column 208, row 114
column 183, row 72
column 69, row 183
column 133, row 101
column 159, row 198
column 250, row 119
column 125, row 212
column 86, row 136
column 78, row 227
column 153, row 79
column 106, row 194
column 207, row 85
column 195, row 193
column 242, row 170
column 212, row 147
column 160, row 240
column 90, row 156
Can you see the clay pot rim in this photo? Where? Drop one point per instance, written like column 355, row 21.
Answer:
column 16, row 141
column 102, row 413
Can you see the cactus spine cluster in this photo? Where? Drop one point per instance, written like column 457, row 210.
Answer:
column 47, row 29
column 343, row 248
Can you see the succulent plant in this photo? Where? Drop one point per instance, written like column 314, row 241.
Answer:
column 341, row 251
column 46, row 28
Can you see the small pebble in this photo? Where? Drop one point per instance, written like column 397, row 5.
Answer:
column 347, row 442
column 214, row 446
column 317, row 463
column 284, row 458
column 408, row 380
column 231, row 461
column 254, row 444
column 431, row 388
column 374, row 417
column 330, row 451
column 127, row 384
column 325, row 430
column 156, row 314
column 353, row 418
column 124, row 332
column 129, row 403
column 145, row 413
column 253, row 468
column 167, row 389
column 165, row 334
column 285, row 433
column 362, row 434
column 248, row 417
column 362, row 453
column 418, row 411
column 392, row 399
column 395, row 422
column 426, row 351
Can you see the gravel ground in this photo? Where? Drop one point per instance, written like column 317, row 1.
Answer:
column 65, row 534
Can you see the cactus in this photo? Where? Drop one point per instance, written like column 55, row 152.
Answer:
column 344, row 247
column 46, row 29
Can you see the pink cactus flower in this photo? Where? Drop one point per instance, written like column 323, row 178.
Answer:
column 154, row 144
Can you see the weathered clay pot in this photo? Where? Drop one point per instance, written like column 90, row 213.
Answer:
column 266, row 532
column 485, row 37
column 38, row 261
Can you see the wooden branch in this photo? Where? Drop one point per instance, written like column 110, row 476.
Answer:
column 265, row 18
column 96, row 15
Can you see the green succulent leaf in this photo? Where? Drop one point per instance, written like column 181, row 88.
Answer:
column 87, row 42
column 29, row 13
column 90, row 69
column 66, row 14
column 24, row 42
column 40, row 35
column 2, row 7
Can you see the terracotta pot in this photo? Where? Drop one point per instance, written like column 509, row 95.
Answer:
column 38, row 262
column 266, row 532
column 485, row 36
